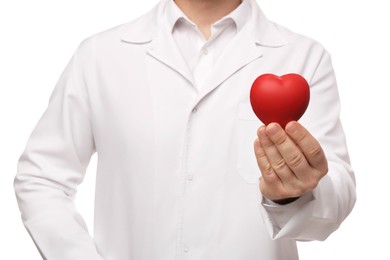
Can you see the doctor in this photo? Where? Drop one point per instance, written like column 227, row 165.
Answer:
column 164, row 102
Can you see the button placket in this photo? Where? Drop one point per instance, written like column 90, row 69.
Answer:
column 188, row 177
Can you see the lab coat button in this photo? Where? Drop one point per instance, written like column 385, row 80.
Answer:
column 194, row 110
column 190, row 177
column 205, row 51
column 186, row 249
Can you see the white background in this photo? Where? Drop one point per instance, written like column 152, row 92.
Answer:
column 37, row 39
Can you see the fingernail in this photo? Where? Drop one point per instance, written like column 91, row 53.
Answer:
column 262, row 132
column 291, row 127
column 272, row 129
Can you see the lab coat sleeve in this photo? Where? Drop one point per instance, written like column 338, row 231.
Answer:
column 54, row 163
column 318, row 213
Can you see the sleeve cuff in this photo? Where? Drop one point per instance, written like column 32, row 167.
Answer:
column 279, row 214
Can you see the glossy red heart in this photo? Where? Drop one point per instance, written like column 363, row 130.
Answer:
column 279, row 99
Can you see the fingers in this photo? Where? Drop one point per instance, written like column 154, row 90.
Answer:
column 309, row 145
column 263, row 162
column 270, row 183
column 290, row 153
column 291, row 161
column 276, row 160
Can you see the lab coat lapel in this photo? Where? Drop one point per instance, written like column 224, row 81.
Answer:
column 151, row 29
column 245, row 48
column 241, row 51
column 164, row 49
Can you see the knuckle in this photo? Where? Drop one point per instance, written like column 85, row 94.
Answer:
column 280, row 165
column 315, row 152
column 280, row 138
column 265, row 142
column 301, row 137
column 296, row 160
column 258, row 150
column 312, row 184
column 321, row 173
column 267, row 169
column 325, row 169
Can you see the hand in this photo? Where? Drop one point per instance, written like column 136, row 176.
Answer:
column 292, row 162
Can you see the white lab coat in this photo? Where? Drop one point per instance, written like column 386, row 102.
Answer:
column 176, row 174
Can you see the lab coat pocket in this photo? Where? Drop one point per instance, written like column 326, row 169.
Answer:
column 247, row 124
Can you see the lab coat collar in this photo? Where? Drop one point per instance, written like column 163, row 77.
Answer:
column 265, row 32
column 258, row 32
column 145, row 29
column 148, row 29
column 239, row 16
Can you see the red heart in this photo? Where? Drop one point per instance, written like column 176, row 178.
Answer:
column 279, row 99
